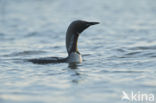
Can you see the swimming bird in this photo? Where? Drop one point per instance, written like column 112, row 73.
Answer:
column 72, row 34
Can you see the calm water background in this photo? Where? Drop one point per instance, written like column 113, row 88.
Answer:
column 119, row 53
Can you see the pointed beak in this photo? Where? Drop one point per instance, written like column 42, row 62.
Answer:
column 93, row 23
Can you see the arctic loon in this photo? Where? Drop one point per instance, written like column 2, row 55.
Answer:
column 72, row 34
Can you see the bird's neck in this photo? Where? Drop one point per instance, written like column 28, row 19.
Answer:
column 71, row 42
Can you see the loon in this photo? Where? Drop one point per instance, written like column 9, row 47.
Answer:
column 72, row 34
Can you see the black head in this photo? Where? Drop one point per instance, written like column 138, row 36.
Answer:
column 79, row 26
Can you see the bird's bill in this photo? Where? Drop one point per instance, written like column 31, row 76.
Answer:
column 93, row 23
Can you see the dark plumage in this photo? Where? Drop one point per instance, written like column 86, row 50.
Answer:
column 72, row 34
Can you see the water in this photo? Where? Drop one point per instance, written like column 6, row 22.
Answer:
column 119, row 54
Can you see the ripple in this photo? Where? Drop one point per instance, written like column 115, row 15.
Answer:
column 121, row 50
column 31, row 34
column 23, row 53
column 121, row 71
column 1, row 34
column 133, row 53
column 144, row 48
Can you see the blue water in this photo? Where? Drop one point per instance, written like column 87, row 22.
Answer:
column 119, row 54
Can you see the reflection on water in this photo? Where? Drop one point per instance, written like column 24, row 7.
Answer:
column 76, row 76
column 119, row 53
column 73, row 65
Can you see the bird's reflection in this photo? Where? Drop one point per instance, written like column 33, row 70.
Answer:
column 73, row 65
column 76, row 76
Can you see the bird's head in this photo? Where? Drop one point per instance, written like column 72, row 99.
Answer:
column 79, row 26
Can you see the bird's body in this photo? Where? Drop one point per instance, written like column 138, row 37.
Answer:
column 75, row 57
column 72, row 34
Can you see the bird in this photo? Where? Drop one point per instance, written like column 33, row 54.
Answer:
column 73, row 32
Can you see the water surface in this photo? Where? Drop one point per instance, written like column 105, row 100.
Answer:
column 119, row 54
